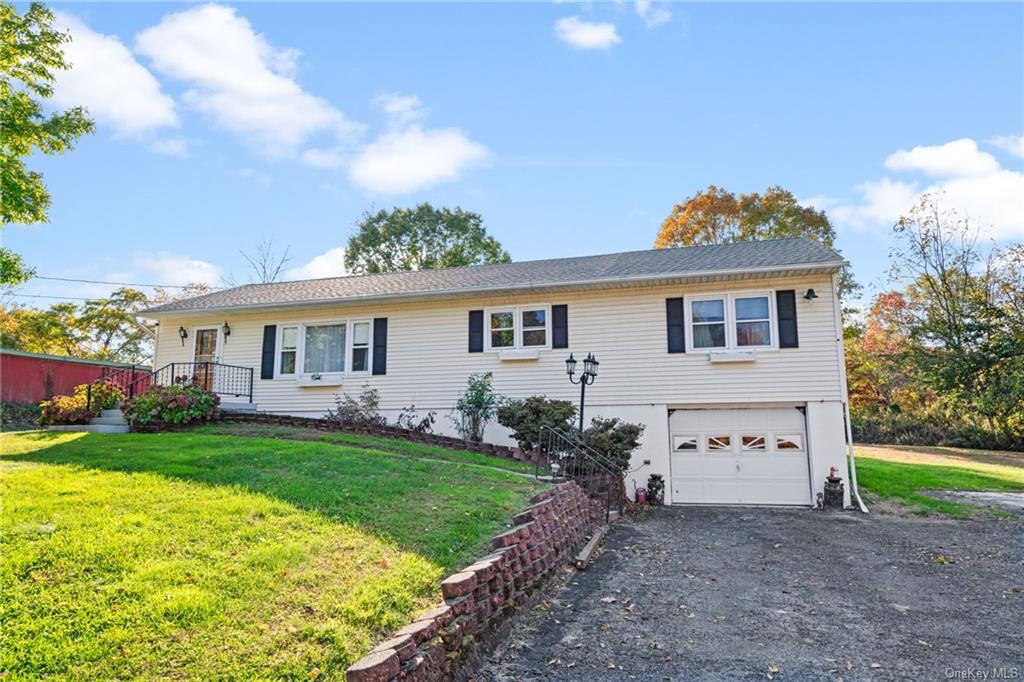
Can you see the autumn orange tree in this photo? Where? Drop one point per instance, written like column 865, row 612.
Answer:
column 718, row 216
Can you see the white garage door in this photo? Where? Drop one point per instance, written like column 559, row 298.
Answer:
column 739, row 456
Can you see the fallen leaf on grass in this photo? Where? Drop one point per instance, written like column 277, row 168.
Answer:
column 773, row 670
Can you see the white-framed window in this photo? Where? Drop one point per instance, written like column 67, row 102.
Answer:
column 789, row 442
column 289, row 349
column 742, row 319
column 360, row 347
column 753, row 443
column 683, row 443
column 518, row 327
column 324, row 347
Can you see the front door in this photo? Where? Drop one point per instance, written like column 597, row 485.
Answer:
column 205, row 357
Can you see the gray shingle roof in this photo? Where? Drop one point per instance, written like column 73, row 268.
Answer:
column 610, row 269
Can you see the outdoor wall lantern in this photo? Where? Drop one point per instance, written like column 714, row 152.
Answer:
column 227, row 331
column 588, row 376
column 183, row 333
column 810, row 295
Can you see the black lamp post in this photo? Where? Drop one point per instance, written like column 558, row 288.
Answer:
column 590, row 364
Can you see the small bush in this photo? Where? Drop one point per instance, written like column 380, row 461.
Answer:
column 526, row 419
column 171, row 405
column 892, row 427
column 410, row 421
column 13, row 415
column 615, row 439
column 357, row 412
column 475, row 407
column 104, row 395
column 64, row 409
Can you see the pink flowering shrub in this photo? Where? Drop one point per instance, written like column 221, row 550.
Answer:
column 178, row 404
column 71, row 409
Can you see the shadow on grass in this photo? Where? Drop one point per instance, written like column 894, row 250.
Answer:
column 443, row 512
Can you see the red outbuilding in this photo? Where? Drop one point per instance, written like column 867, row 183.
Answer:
column 34, row 377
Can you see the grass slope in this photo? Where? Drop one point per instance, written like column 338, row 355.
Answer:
column 203, row 556
column 900, row 473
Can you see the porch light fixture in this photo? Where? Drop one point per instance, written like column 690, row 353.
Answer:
column 183, row 333
column 227, row 330
column 810, row 295
column 588, row 376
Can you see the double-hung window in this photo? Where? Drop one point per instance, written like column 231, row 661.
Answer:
column 731, row 321
column 522, row 327
column 313, row 349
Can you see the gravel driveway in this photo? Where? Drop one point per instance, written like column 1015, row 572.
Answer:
column 740, row 594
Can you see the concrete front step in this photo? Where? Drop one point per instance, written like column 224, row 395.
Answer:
column 108, row 421
column 237, row 407
column 112, row 413
column 89, row 428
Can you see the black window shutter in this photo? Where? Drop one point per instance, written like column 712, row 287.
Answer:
column 785, row 309
column 560, row 326
column 380, row 345
column 675, row 319
column 476, row 331
column 269, row 341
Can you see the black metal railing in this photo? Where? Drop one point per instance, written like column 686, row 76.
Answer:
column 224, row 380
column 566, row 456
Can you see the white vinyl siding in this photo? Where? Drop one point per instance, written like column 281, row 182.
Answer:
column 427, row 360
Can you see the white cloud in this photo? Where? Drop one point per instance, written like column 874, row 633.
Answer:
column 586, row 35
column 404, row 161
column 240, row 80
column 400, row 109
column 951, row 160
column 330, row 263
column 171, row 146
column 105, row 77
column 990, row 196
column 176, row 269
column 1013, row 144
column 652, row 16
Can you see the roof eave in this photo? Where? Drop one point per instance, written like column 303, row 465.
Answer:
column 440, row 294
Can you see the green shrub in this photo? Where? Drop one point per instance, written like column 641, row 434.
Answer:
column 527, row 418
column 615, row 439
column 179, row 404
column 14, row 415
column 892, row 427
column 64, row 409
column 475, row 407
column 104, row 395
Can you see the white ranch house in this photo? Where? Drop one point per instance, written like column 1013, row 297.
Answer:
column 730, row 355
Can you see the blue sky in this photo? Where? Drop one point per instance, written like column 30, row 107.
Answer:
column 572, row 128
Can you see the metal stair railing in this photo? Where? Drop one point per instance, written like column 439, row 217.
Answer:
column 216, row 377
column 567, row 456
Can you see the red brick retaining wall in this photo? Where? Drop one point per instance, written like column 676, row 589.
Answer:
column 446, row 642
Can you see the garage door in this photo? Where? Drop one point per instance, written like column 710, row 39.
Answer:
column 739, row 456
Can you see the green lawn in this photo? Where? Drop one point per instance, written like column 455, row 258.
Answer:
column 900, row 473
column 392, row 445
column 205, row 556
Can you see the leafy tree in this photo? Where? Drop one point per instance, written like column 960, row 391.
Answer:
column 423, row 238
column 966, row 324
column 13, row 269
column 717, row 216
column 103, row 328
column 30, row 56
column 163, row 295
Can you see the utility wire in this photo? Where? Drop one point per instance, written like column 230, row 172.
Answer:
column 127, row 284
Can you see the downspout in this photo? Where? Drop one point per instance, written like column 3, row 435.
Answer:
column 844, row 390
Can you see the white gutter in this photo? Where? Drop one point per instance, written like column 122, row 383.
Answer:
column 468, row 291
column 844, row 390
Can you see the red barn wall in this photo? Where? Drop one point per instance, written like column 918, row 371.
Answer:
column 31, row 379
